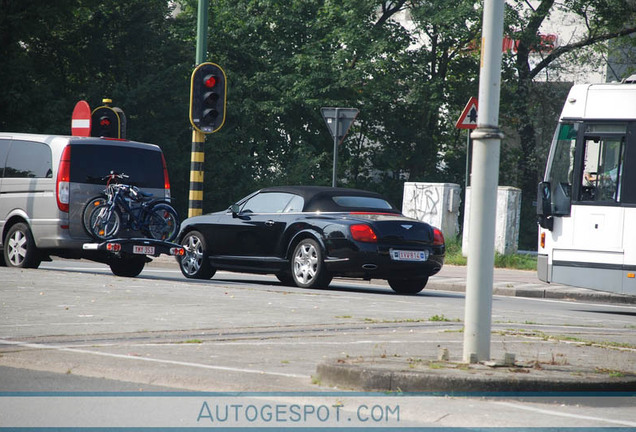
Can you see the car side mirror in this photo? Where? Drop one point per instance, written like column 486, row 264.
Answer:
column 235, row 209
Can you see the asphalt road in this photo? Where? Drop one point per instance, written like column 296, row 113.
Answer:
column 85, row 329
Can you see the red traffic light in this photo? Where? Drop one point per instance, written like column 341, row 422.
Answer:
column 207, row 97
column 108, row 122
column 209, row 81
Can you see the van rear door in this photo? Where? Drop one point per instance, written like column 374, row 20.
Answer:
column 92, row 160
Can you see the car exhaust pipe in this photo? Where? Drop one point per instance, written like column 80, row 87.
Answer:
column 369, row 266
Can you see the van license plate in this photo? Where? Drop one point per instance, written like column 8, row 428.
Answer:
column 403, row 255
column 144, row 250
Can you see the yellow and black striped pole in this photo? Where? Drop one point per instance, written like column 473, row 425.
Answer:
column 195, row 205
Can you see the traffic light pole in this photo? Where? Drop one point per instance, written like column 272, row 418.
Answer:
column 197, row 156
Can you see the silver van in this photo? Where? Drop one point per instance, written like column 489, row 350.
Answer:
column 45, row 183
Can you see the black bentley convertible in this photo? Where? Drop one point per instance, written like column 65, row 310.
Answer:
column 306, row 235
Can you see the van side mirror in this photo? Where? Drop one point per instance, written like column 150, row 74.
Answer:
column 544, row 205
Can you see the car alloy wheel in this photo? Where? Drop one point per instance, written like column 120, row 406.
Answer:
column 308, row 268
column 195, row 263
column 20, row 250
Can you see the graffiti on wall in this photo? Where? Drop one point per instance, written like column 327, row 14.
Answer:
column 424, row 202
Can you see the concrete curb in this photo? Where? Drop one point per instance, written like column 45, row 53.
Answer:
column 554, row 292
column 376, row 375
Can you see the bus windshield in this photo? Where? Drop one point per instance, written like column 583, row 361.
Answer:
column 561, row 168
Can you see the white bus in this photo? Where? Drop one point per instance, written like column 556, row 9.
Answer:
column 587, row 202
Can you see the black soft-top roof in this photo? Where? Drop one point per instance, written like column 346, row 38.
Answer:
column 318, row 198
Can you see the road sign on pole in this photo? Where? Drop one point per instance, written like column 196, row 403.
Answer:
column 468, row 119
column 339, row 121
column 81, row 119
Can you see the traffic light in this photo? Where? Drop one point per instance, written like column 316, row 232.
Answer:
column 207, row 98
column 108, row 122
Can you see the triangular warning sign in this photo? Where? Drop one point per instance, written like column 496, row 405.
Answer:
column 468, row 119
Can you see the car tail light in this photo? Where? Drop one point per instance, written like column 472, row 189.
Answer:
column 438, row 237
column 177, row 251
column 363, row 233
column 63, row 189
column 166, row 178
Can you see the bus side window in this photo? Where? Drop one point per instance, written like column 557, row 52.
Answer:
column 602, row 163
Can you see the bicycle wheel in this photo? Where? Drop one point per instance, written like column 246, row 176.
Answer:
column 88, row 209
column 104, row 222
column 162, row 222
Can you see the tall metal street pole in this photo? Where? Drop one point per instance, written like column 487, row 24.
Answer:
column 336, row 138
column 197, row 154
column 485, row 177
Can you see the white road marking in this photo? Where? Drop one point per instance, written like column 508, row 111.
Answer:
column 152, row 360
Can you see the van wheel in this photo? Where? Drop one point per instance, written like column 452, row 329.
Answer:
column 127, row 267
column 19, row 248
column 408, row 286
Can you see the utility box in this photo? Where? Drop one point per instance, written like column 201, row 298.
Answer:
column 508, row 216
column 434, row 203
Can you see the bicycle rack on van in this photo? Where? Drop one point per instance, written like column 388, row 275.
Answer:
column 137, row 246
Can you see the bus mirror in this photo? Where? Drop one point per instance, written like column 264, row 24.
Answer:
column 544, row 202
column 544, row 206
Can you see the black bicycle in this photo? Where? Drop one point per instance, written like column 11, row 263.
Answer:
column 125, row 206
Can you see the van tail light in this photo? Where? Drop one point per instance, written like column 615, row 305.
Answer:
column 542, row 240
column 62, row 186
column 113, row 247
column 363, row 233
column 438, row 237
column 166, row 178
